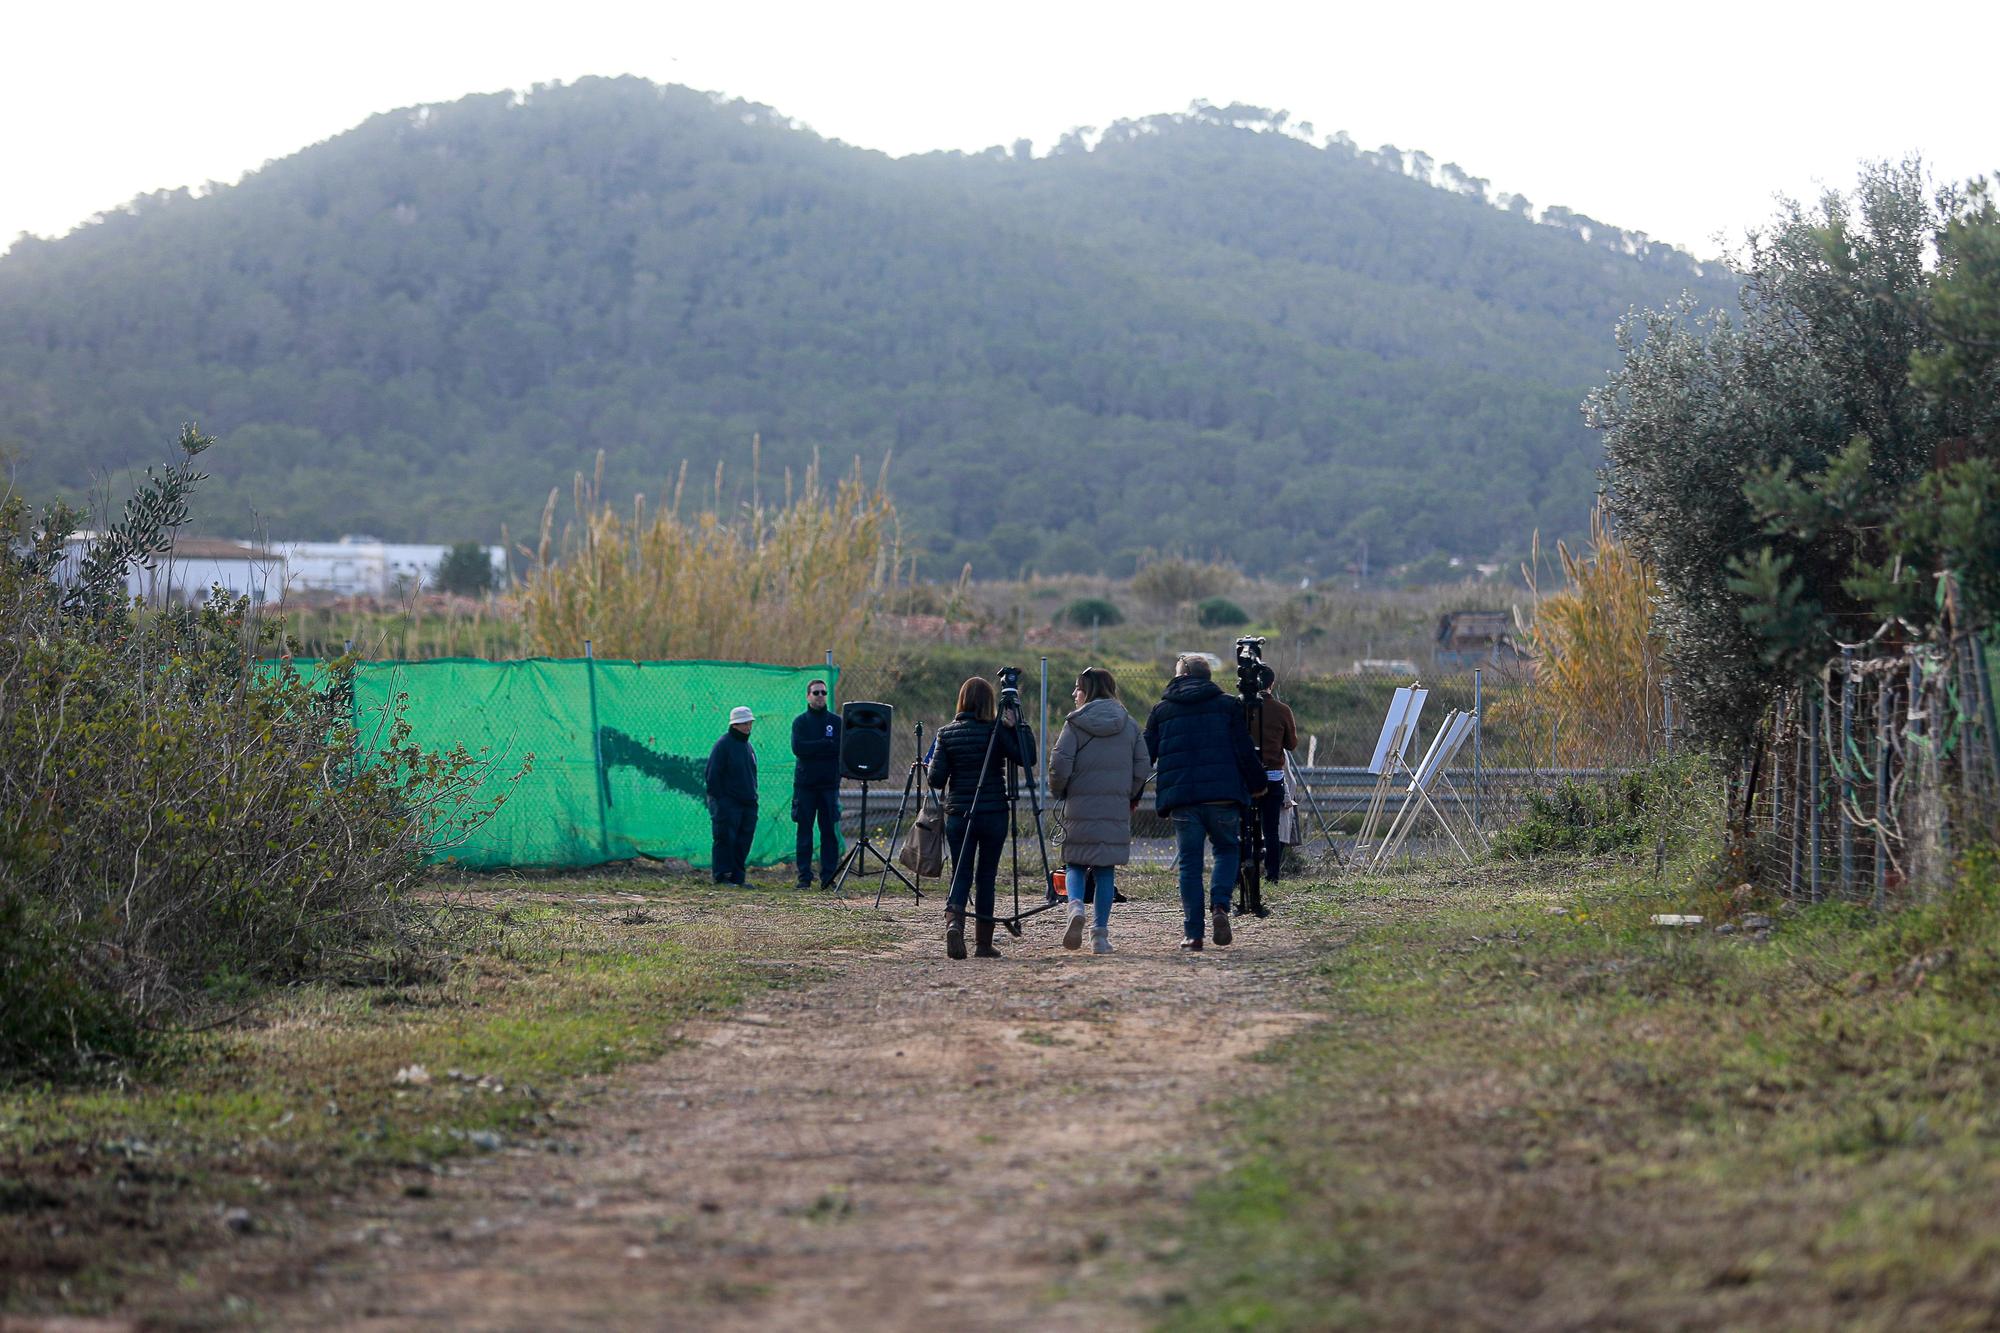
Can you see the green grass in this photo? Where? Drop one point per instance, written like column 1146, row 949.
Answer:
column 1528, row 1106
column 105, row 1187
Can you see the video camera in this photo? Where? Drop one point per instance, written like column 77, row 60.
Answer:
column 1253, row 677
column 1010, row 688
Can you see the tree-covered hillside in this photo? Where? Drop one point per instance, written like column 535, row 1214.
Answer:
column 1189, row 332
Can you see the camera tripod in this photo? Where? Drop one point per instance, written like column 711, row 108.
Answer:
column 896, row 826
column 864, row 846
column 1010, row 701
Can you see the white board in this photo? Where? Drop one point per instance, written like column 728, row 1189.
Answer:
column 1404, row 709
column 1444, row 747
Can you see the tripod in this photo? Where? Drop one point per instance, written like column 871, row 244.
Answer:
column 864, row 846
column 896, row 826
column 1250, row 870
column 1010, row 776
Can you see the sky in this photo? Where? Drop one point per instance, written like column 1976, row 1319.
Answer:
column 1683, row 121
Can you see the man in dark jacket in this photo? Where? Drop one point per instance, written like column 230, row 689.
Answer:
column 732, row 798
column 1205, row 771
column 816, row 785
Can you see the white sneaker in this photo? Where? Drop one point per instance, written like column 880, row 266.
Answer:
column 1073, row 937
column 1100, row 939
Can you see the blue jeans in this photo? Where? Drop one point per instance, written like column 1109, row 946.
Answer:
column 1105, row 894
column 1194, row 827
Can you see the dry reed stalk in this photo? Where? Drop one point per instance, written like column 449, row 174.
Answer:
column 779, row 585
column 1598, row 688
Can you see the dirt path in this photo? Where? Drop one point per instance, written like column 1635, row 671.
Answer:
column 912, row 1143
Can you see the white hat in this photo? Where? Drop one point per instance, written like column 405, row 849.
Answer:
column 741, row 714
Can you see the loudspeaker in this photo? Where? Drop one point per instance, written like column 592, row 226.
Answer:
column 864, row 740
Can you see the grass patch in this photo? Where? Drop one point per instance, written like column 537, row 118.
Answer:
column 1528, row 1106
column 323, row 1090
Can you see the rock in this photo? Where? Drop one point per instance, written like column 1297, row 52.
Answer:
column 485, row 1140
column 414, row 1076
column 1757, row 921
column 239, row 1221
column 1725, row 929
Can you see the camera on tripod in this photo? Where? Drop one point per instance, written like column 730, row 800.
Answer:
column 1010, row 688
column 1253, row 677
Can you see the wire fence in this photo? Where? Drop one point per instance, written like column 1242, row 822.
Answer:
column 1522, row 740
column 1870, row 778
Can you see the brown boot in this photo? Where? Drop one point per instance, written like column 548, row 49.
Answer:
column 983, row 948
column 954, row 934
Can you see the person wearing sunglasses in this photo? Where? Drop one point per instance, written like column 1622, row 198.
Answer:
column 816, row 784
column 1098, row 771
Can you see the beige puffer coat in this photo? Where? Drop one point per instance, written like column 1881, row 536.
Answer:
column 1099, row 768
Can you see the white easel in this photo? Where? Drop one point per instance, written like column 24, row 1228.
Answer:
column 1392, row 754
column 1429, row 774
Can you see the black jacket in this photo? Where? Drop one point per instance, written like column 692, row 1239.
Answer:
column 732, row 770
column 961, row 750
column 816, row 745
column 1200, row 747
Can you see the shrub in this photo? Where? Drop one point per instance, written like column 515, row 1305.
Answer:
column 1667, row 808
column 1167, row 584
column 171, row 811
column 466, row 570
column 1088, row 611
column 1219, row 613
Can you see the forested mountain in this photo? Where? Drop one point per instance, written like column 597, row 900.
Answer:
column 1200, row 331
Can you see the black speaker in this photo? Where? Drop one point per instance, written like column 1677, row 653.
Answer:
column 864, row 740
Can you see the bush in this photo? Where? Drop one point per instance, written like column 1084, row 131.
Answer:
column 1219, row 613
column 171, row 811
column 1663, row 808
column 1088, row 611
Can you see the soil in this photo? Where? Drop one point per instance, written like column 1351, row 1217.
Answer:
column 910, row 1143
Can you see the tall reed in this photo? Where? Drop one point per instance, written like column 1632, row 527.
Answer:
column 1598, row 695
column 768, row 583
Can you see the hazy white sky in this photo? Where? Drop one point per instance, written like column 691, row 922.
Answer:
column 1682, row 120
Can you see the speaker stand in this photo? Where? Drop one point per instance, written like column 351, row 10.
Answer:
column 855, row 858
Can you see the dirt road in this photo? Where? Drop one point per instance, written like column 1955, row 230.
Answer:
column 911, row 1143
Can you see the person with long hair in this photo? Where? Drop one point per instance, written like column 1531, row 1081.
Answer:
column 970, row 767
column 1098, row 771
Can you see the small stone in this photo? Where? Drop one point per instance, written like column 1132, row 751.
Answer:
column 239, row 1221
column 1757, row 921
column 413, row 1076
column 1725, row 929
column 485, row 1140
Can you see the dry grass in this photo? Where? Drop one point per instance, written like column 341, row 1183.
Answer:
column 1598, row 685
column 771, row 584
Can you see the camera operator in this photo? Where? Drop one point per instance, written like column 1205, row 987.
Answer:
column 816, row 785
column 1205, row 772
column 970, row 766
column 1276, row 733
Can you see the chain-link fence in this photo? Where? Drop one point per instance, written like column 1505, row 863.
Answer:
column 1522, row 738
column 1868, row 778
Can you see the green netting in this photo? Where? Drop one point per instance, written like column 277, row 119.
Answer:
column 618, row 749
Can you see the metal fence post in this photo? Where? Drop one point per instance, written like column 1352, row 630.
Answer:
column 1478, row 747
column 1797, row 819
column 1845, row 770
column 597, row 754
column 1042, row 739
column 1882, row 752
column 1812, row 788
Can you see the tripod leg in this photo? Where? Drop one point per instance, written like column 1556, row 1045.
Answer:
column 896, row 831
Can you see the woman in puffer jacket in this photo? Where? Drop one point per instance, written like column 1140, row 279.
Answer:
column 1098, row 771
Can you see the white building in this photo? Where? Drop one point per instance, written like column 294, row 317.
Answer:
column 194, row 567
column 365, row 567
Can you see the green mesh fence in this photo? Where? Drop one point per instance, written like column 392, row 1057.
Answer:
column 615, row 751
